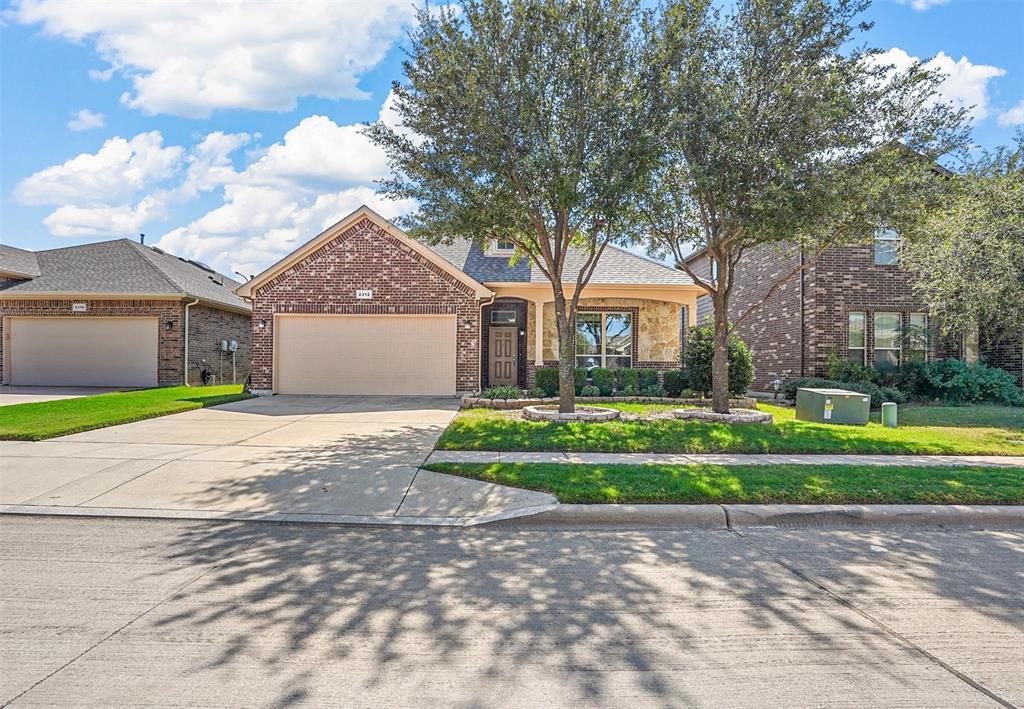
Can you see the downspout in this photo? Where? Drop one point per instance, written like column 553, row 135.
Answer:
column 802, row 309
column 480, row 339
column 185, row 348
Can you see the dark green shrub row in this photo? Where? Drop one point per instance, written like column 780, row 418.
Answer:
column 502, row 391
column 623, row 382
column 879, row 395
column 546, row 378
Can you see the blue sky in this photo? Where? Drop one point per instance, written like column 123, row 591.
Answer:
column 230, row 133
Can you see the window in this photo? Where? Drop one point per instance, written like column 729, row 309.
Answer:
column 887, row 244
column 887, row 340
column 604, row 340
column 915, row 337
column 714, row 273
column 502, row 247
column 503, row 317
column 856, row 345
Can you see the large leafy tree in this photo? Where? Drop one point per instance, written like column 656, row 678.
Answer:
column 528, row 121
column 967, row 252
column 784, row 134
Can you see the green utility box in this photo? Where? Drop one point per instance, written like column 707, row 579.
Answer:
column 832, row 406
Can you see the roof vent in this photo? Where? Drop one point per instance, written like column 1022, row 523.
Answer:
column 198, row 264
column 158, row 250
column 218, row 282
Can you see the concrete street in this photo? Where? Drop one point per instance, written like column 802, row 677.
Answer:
column 182, row 613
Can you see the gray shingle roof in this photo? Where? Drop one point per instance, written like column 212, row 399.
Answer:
column 18, row 261
column 125, row 267
column 616, row 267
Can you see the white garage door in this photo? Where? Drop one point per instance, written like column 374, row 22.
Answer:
column 364, row 354
column 84, row 351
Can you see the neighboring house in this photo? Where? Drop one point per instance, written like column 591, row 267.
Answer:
column 854, row 299
column 364, row 309
column 117, row 313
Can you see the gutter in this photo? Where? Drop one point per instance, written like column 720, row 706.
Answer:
column 802, row 310
column 480, row 339
column 185, row 348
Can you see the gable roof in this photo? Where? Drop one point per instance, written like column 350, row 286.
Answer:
column 616, row 267
column 18, row 263
column 123, row 267
column 247, row 289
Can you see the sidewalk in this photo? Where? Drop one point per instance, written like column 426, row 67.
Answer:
column 439, row 456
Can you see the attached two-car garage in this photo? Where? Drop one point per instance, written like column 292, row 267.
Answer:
column 365, row 354
column 81, row 351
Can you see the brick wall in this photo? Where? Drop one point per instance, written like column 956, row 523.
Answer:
column 207, row 327
column 169, row 348
column 1004, row 352
column 365, row 256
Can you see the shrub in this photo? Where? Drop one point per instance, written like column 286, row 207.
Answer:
column 956, row 382
column 647, row 378
column 879, row 395
column 580, row 379
column 687, row 394
column 700, row 351
column 627, row 379
column 629, row 391
column 603, row 379
column 502, row 391
column 675, row 381
column 912, row 379
column 590, row 390
column 841, row 369
column 546, row 378
column 536, row 393
column 654, row 390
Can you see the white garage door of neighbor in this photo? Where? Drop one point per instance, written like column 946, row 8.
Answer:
column 365, row 354
column 84, row 351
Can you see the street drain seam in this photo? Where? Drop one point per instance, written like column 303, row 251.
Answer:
column 966, row 679
column 117, row 630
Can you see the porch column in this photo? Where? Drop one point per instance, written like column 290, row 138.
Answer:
column 538, row 333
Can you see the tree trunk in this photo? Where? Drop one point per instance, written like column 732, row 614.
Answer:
column 566, row 358
column 720, row 362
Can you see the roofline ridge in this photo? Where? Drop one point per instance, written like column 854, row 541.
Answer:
column 137, row 249
column 648, row 259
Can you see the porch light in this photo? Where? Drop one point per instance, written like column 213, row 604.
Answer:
column 263, row 324
column 777, row 385
column 467, row 323
column 169, row 325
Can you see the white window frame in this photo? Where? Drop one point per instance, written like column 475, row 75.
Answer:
column 515, row 319
column 495, row 248
column 888, row 236
column 864, row 335
column 898, row 349
column 602, row 357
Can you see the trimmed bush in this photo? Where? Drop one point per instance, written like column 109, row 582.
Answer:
column 502, row 391
column 629, row 391
column 879, row 395
column 675, row 380
column 603, row 379
column 700, row 352
column 627, row 379
column 841, row 369
column 590, row 390
column 647, row 378
column 536, row 393
column 956, row 382
column 546, row 378
column 654, row 390
column 580, row 377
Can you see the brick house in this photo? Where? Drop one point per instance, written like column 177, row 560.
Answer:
column 855, row 300
column 117, row 313
column 364, row 309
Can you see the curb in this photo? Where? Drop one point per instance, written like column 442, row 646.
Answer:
column 729, row 517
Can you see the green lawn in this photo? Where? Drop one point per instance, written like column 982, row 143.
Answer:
column 754, row 484
column 933, row 430
column 46, row 419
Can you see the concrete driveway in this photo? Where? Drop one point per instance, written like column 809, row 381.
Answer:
column 30, row 395
column 282, row 457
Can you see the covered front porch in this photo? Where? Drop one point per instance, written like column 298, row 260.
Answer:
column 616, row 327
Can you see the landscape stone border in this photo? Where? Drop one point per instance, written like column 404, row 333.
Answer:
column 473, row 402
column 734, row 416
column 582, row 413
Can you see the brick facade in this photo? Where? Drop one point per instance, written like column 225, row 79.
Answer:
column 366, row 256
column 1004, row 352
column 207, row 327
column 170, row 351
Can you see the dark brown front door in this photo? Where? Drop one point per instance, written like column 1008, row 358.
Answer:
column 501, row 356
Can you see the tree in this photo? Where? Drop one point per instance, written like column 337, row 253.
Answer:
column 783, row 136
column 533, row 122
column 967, row 254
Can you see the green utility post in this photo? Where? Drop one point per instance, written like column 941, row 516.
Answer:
column 889, row 415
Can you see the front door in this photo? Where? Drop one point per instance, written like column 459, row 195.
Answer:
column 502, row 356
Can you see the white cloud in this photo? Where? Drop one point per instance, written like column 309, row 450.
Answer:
column 112, row 175
column 1012, row 117
column 123, row 220
column 965, row 85
column 86, row 120
column 922, row 5
column 190, row 58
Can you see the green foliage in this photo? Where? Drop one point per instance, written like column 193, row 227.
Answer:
column 957, row 382
column 546, row 378
column 580, row 378
column 843, row 370
column 654, row 390
column 629, row 391
column 502, row 391
column 603, row 379
column 627, row 379
column 537, row 393
column 647, row 378
column 700, row 352
column 879, row 395
column 675, row 381
column 590, row 390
